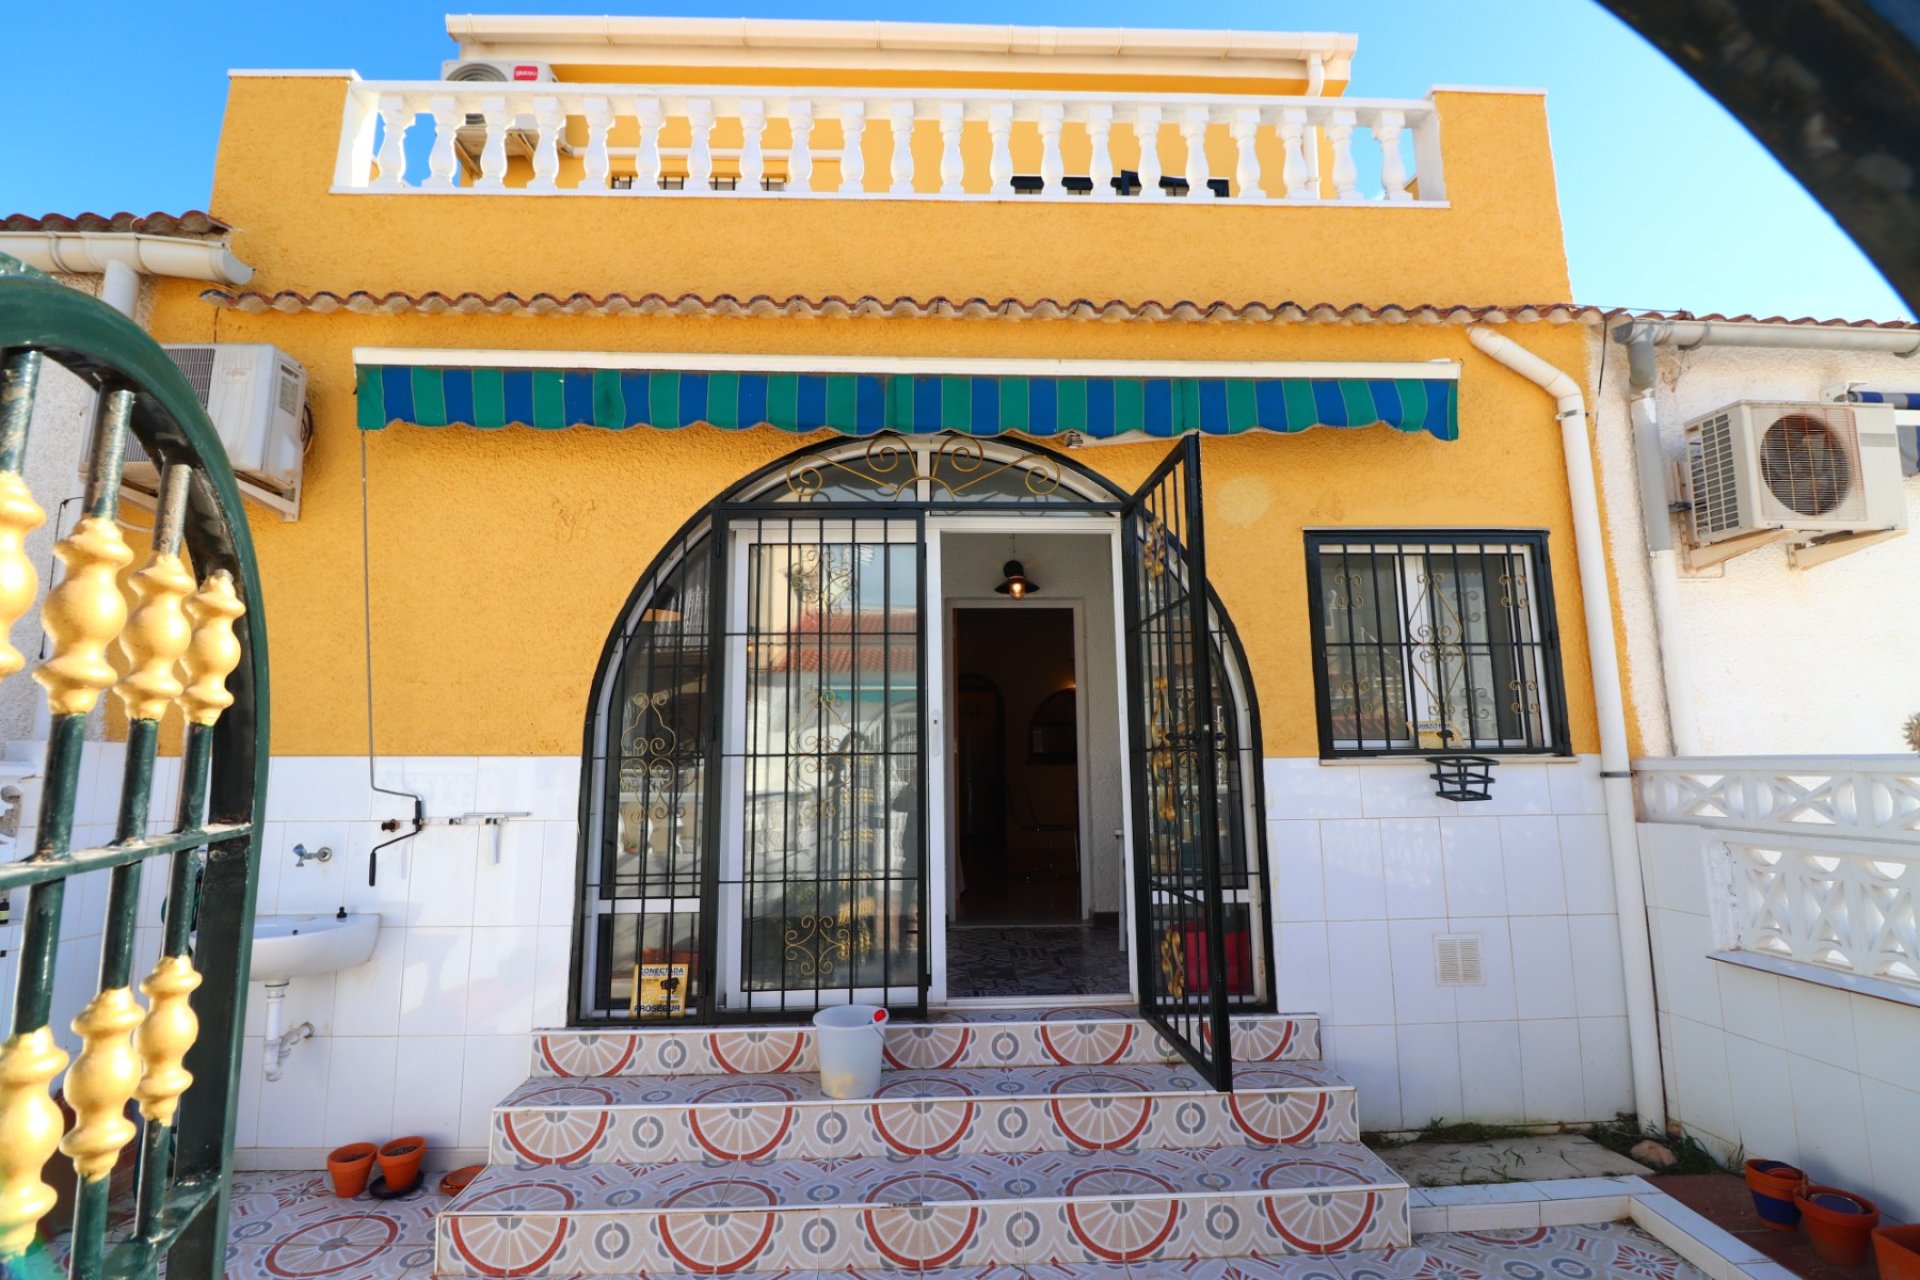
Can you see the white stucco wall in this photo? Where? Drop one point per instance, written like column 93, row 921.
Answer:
column 1783, row 661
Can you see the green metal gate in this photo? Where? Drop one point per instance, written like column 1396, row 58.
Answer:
column 195, row 636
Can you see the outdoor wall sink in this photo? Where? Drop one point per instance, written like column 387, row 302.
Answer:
column 287, row 947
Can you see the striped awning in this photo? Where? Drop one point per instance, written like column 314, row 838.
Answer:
column 859, row 404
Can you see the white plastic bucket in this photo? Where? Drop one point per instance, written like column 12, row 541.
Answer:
column 850, row 1038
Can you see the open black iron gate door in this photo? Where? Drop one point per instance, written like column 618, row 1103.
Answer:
column 1179, row 910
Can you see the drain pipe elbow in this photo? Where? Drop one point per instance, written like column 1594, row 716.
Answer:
column 1603, row 658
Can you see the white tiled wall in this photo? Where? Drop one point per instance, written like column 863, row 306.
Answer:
column 473, row 950
column 1786, row 1069
column 1369, row 865
column 84, row 909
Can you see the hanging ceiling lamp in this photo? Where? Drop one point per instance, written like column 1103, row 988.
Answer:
column 1017, row 584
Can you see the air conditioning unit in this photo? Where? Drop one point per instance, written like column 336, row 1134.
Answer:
column 499, row 72
column 522, row 133
column 256, row 395
column 1815, row 474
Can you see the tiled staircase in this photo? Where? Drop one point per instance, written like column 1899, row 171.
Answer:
column 1012, row 1138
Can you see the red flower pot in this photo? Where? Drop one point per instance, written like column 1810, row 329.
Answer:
column 349, row 1167
column 1773, row 1184
column 400, row 1162
column 1897, row 1249
column 1839, row 1223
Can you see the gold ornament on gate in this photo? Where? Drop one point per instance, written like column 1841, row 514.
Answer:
column 101, row 1082
column 164, row 1038
column 29, row 1134
column 20, row 515
column 156, row 635
column 83, row 615
column 214, row 651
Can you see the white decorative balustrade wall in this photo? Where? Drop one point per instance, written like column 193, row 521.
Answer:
column 1780, row 899
column 1811, row 859
column 982, row 144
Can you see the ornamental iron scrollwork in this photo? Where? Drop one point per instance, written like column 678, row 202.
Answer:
column 818, row 942
column 1173, row 964
column 890, row 469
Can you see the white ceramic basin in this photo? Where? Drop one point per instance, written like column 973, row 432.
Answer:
column 287, row 947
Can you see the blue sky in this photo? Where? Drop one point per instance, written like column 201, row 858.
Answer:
column 1668, row 202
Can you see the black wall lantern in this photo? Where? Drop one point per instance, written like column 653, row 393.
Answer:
column 1462, row 778
column 1017, row 584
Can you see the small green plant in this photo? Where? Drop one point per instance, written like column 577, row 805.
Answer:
column 1626, row 1132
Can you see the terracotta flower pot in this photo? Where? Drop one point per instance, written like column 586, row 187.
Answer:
column 457, row 1180
column 400, row 1162
column 1839, row 1223
column 349, row 1167
column 1773, row 1184
column 1897, row 1249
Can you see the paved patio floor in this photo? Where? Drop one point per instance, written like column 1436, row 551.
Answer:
column 1546, row 1158
column 289, row 1226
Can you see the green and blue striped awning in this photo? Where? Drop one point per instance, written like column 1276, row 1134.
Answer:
column 860, row 404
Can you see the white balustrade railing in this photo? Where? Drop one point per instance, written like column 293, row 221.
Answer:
column 544, row 138
column 1812, row 859
column 1858, row 797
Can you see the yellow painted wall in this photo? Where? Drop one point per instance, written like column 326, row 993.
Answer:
column 501, row 558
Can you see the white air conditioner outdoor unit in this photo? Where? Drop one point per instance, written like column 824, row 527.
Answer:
column 1822, row 476
column 256, row 395
column 522, row 135
column 494, row 70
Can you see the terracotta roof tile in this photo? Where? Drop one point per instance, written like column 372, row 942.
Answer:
column 832, row 306
column 194, row 223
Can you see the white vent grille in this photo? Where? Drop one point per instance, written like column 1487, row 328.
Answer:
column 197, row 364
column 1716, row 489
column 1456, row 960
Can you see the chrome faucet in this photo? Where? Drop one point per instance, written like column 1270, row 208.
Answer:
column 301, row 857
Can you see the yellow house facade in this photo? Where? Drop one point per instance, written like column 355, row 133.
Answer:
column 691, row 409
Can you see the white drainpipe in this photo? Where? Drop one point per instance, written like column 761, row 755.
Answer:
column 1616, row 778
column 91, row 252
column 1663, row 568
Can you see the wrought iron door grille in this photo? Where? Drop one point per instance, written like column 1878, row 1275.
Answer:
column 821, row 881
column 1432, row 642
column 754, row 842
column 1192, row 959
column 652, row 769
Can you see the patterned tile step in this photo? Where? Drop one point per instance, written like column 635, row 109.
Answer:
column 911, row 1214
column 867, row 1180
column 1081, row 1035
column 1016, row 1109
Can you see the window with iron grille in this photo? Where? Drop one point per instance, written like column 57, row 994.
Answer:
column 1434, row 641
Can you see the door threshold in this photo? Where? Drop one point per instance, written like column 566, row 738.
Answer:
column 1032, row 1002
column 1025, row 924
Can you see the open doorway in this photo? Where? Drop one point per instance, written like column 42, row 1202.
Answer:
column 1034, row 765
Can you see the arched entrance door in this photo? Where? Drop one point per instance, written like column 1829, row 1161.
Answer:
column 766, row 820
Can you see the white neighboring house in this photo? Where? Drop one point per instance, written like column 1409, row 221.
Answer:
column 1778, row 798
column 1772, row 659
